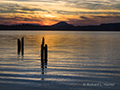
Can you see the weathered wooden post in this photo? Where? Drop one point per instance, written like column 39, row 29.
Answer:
column 42, row 47
column 22, row 45
column 19, row 46
column 43, row 53
column 43, row 41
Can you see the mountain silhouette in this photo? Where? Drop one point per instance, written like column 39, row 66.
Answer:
column 62, row 24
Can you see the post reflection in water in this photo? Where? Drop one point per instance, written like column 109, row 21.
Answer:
column 43, row 56
column 43, row 66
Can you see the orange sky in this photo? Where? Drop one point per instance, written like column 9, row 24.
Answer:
column 48, row 12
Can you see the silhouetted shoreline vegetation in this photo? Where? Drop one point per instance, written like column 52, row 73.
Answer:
column 63, row 26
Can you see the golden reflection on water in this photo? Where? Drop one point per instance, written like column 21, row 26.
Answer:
column 57, row 43
column 52, row 40
column 70, row 57
column 87, row 46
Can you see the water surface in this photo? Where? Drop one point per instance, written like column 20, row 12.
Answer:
column 76, row 61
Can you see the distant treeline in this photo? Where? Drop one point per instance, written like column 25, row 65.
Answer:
column 63, row 26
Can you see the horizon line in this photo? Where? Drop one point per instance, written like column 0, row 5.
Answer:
column 57, row 23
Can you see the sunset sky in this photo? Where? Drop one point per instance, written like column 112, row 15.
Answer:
column 48, row 12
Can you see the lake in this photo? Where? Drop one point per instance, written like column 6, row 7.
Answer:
column 76, row 61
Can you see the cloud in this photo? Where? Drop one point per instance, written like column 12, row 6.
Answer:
column 31, row 9
column 18, row 8
column 94, row 20
column 76, row 12
column 83, row 17
column 94, row 4
column 19, row 19
column 86, row 4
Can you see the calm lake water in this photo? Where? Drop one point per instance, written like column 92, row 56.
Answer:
column 76, row 61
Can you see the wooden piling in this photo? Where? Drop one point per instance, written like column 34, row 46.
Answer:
column 43, row 41
column 42, row 52
column 45, row 53
column 19, row 46
column 22, row 46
